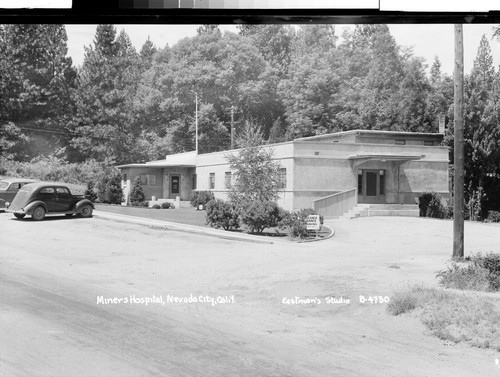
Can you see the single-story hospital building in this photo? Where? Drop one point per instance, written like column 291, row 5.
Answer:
column 330, row 173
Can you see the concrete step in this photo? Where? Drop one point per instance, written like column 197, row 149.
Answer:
column 363, row 210
column 394, row 206
column 392, row 212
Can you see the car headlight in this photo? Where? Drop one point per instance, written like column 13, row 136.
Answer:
column 7, row 204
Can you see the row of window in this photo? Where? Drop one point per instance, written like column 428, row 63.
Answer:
column 146, row 179
column 228, row 179
column 150, row 179
column 427, row 143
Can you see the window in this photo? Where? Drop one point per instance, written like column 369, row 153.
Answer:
column 62, row 190
column 47, row 190
column 211, row 181
column 360, row 182
column 400, row 142
column 194, row 182
column 282, row 178
column 382, row 182
column 148, row 179
column 227, row 179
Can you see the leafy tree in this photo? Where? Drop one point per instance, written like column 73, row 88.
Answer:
column 224, row 70
column 255, row 173
column 311, row 89
column 373, row 68
column 274, row 42
column 413, row 94
column 11, row 141
column 209, row 29
column 440, row 97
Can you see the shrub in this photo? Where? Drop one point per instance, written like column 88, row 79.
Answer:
column 53, row 168
column 166, row 205
column 90, row 193
column 109, row 189
column 296, row 222
column 221, row 214
column 201, row 198
column 113, row 193
column 430, row 205
column 491, row 263
column 481, row 272
column 294, row 225
column 258, row 216
column 471, row 276
column 493, row 217
column 137, row 194
column 139, row 204
column 156, row 206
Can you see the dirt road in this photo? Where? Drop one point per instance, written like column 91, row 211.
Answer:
column 73, row 296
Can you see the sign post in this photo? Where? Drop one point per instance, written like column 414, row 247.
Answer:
column 313, row 223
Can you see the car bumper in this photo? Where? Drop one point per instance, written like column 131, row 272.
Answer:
column 18, row 211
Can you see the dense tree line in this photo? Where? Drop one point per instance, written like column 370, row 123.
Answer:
column 123, row 106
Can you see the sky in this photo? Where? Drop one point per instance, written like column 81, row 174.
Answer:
column 427, row 40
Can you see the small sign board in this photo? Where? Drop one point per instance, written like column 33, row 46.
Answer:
column 313, row 223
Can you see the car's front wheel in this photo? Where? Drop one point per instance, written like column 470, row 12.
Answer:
column 86, row 210
column 38, row 214
column 19, row 215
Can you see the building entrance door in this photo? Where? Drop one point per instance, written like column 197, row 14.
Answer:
column 174, row 185
column 371, row 186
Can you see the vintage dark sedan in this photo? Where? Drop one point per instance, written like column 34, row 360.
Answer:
column 46, row 198
column 9, row 188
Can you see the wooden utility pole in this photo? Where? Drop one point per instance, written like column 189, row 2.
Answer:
column 458, row 190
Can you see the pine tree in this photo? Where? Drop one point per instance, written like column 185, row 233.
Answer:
column 107, row 83
column 147, row 52
column 480, row 133
column 436, row 71
column 36, row 79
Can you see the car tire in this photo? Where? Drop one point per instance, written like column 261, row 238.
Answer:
column 38, row 213
column 86, row 210
column 19, row 215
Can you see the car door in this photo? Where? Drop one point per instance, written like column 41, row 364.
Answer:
column 64, row 200
column 11, row 192
column 48, row 196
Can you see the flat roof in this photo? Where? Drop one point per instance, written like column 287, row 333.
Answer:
column 386, row 156
column 370, row 132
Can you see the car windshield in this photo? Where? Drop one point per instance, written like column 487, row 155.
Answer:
column 4, row 185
